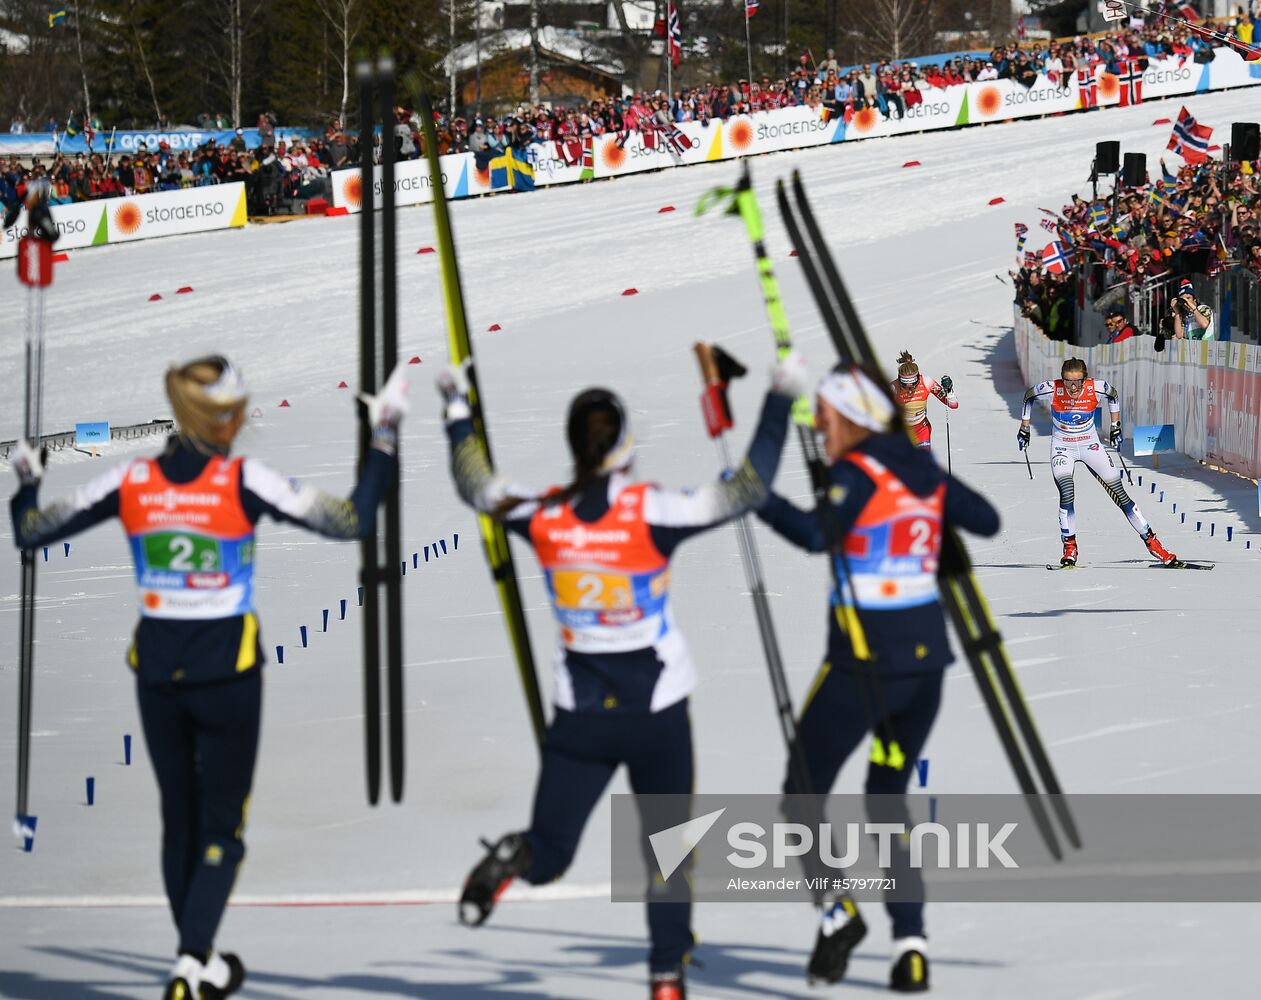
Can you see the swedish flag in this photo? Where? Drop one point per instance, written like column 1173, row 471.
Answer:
column 56, row 17
column 511, row 169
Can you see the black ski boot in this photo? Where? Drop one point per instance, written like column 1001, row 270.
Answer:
column 910, row 966
column 667, row 985
column 504, row 861
column 839, row 934
column 184, row 978
column 221, row 977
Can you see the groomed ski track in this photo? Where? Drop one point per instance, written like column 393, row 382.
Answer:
column 1140, row 682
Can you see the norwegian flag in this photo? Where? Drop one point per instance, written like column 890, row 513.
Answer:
column 1049, row 225
column 1021, row 229
column 1054, row 259
column 1131, row 82
column 676, row 36
column 1190, row 138
column 570, row 150
column 1087, row 87
column 1031, row 259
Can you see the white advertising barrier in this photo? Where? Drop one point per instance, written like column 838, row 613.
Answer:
column 1209, row 391
column 460, row 179
column 81, row 225
column 140, row 217
column 171, row 213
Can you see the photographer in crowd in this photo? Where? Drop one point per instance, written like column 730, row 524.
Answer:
column 1190, row 320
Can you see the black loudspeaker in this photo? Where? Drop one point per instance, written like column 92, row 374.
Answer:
column 1134, row 173
column 1107, row 157
column 1245, row 141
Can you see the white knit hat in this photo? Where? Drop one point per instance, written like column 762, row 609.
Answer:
column 857, row 398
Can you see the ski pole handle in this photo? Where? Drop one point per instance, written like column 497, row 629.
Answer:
column 714, row 395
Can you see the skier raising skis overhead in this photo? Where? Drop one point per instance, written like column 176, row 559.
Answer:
column 889, row 505
column 911, row 390
column 1073, row 399
column 189, row 515
column 623, row 669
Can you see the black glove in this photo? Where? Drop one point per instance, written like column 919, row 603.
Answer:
column 1022, row 437
column 1116, row 437
column 947, row 384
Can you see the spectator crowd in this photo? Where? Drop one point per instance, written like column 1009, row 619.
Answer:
column 1197, row 219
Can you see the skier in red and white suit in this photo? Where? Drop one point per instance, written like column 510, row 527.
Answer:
column 1073, row 399
column 911, row 390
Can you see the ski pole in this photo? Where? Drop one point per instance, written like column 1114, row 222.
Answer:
column 949, row 466
column 1028, row 465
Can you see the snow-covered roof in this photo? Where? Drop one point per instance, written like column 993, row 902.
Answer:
column 561, row 42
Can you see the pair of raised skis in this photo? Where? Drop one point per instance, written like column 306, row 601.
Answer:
column 381, row 555
column 981, row 642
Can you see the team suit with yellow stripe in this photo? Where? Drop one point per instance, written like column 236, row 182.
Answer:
column 189, row 516
column 890, row 503
column 623, row 671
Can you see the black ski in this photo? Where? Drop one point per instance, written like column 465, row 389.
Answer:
column 378, row 356
column 1182, row 564
column 982, row 643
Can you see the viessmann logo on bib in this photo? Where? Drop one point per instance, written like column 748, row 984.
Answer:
column 580, row 537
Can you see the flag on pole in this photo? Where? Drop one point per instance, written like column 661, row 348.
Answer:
column 1098, row 217
column 56, row 17
column 675, row 32
column 750, row 8
column 1190, row 139
column 1054, row 259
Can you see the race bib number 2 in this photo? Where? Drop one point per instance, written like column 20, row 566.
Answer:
column 587, row 591
column 181, row 553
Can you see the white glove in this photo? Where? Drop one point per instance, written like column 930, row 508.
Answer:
column 453, row 387
column 389, row 406
column 28, row 463
column 790, row 376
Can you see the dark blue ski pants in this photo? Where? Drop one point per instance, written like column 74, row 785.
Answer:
column 580, row 754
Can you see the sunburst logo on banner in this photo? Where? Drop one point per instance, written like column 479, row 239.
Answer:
column 740, row 133
column 127, row 218
column 864, row 120
column 1109, row 85
column 612, row 155
column 988, row 101
column 352, row 191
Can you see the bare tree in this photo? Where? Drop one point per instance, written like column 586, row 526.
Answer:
column 83, row 70
column 343, row 15
column 235, row 18
column 895, row 28
column 144, row 62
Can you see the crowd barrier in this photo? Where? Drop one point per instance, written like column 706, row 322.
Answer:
column 140, row 217
column 797, row 127
column 51, row 143
column 1210, row 391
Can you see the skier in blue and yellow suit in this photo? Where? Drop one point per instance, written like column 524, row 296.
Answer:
column 886, row 630
column 623, row 669
column 189, row 516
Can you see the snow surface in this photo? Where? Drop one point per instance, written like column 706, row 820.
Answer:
column 1141, row 681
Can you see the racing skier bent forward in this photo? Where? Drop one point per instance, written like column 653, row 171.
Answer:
column 1074, row 398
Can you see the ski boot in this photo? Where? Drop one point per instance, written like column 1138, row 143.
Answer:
column 185, row 979
column 1069, row 558
column 1156, row 549
column 504, row 861
column 221, row 976
column 910, row 966
column 839, row 934
column 667, row 986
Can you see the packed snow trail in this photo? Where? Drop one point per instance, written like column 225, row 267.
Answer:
column 1140, row 681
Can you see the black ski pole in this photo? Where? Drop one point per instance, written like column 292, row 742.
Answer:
column 389, row 360
column 370, row 573
column 35, row 270
column 1028, row 464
